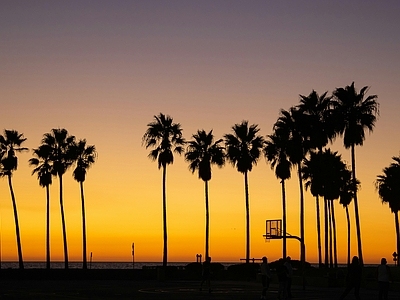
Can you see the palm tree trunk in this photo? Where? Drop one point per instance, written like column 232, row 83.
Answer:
column 348, row 235
column 84, row 266
column 20, row 259
column 358, row 229
column 246, row 187
column 164, row 216
column 330, row 235
column 334, row 234
column 284, row 254
column 207, row 220
column 318, row 232
column 303, row 255
column 64, row 230
column 396, row 220
column 47, row 227
column 326, row 231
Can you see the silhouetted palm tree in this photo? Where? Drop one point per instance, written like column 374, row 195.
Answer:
column 312, row 171
column 275, row 151
column 346, row 195
column 333, row 170
column 62, row 157
column 201, row 153
column 10, row 143
column 354, row 114
column 325, row 174
column 243, row 150
column 388, row 186
column 85, row 157
column 165, row 137
column 43, row 169
column 320, row 130
column 293, row 122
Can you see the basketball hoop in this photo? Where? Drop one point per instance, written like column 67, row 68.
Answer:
column 267, row 238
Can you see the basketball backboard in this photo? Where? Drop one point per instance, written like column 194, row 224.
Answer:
column 273, row 229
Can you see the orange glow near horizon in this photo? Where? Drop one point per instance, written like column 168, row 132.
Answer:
column 137, row 213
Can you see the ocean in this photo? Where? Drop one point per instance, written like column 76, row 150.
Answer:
column 118, row 265
column 95, row 265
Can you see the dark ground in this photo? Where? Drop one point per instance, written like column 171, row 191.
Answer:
column 153, row 289
column 148, row 285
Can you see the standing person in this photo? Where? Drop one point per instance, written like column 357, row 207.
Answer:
column 384, row 276
column 289, row 268
column 265, row 277
column 282, row 278
column 353, row 278
column 206, row 274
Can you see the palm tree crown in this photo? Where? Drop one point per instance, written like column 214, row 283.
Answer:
column 202, row 152
column 62, row 145
column 10, row 143
column 85, row 158
column 276, row 152
column 354, row 113
column 318, row 118
column 244, row 146
column 165, row 137
column 388, row 185
column 42, row 164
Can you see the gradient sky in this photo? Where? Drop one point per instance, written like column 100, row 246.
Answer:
column 103, row 69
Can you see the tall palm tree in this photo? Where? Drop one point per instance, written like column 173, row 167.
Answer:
column 85, row 157
column 243, row 150
column 333, row 170
column 325, row 173
column 388, row 187
column 293, row 121
column 43, row 168
column 320, row 130
column 313, row 174
column 355, row 114
column 346, row 195
column 10, row 143
column 275, row 152
column 201, row 153
column 62, row 157
column 166, row 138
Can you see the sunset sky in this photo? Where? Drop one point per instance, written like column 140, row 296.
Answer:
column 103, row 69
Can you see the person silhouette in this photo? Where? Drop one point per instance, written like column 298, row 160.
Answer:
column 265, row 277
column 353, row 278
column 289, row 268
column 384, row 277
column 206, row 274
column 282, row 273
